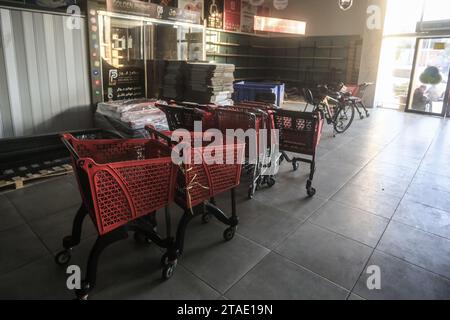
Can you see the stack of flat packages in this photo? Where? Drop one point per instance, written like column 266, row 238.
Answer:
column 173, row 82
column 209, row 83
column 129, row 117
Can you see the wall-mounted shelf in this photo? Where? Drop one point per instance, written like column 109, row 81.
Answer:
column 300, row 60
column 210, row 54
column 223, row 44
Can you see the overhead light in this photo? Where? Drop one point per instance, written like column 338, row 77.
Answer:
column 279, row 25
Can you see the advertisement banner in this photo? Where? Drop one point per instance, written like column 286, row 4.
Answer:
column 232, row 15
column 248, row 11
column 125, row 82
column 214, row 13
column 192, row 5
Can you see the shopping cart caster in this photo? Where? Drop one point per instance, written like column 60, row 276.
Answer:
column 164, row 260
column 309, row 189
column 228, row 234
column 361, row 117
column 206, row 218
column 295, row 165
column 367, row 115
column 141, row 238
column 270, row 182
column 168, row 270
column 251, row 192
column 83, row 293
column 63, row 257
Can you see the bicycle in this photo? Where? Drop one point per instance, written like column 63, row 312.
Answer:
column 334, row 106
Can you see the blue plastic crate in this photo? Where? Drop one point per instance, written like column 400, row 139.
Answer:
column 248, row 91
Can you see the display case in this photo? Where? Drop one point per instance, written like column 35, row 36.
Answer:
column 128, row 51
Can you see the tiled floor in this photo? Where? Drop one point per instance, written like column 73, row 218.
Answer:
column 383, row 200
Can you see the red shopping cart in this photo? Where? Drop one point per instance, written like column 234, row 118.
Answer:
column 268, row 159
column 235, row 118
column 299, row 132
column 184, row 117
column 204, row 172
column 122, row 182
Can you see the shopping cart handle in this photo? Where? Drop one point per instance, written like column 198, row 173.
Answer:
column 66, row 138
column 199, row 111
column 153, row 132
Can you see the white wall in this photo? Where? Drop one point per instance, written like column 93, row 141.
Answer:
column 324, row 17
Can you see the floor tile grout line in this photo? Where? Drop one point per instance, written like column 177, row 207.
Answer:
column 341, row 235
column 313, row 212
column 294, row 263
column 374, row 157
column 279, row 244
column 413, row 264
column 419, row 229
column 387, row 225
column 364, row 211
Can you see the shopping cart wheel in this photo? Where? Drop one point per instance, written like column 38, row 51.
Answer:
column 309, row 189
column 251, row 192
column 295, row 165
column 168, row 271
column 63, row 257
column 228, row 234
column 361, row 117
column 311, row 192
column 141, row 238
column 83, row 293
column 206, row 218
column 367, row 115
column 270, row 182
column 165, row 260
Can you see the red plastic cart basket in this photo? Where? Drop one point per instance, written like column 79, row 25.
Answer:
column 122, row 180
column 299, row 132
column 184, row 117
column 205, row 170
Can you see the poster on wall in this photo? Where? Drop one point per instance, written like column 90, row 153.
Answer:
column 192, row 5
column 124, row 82
column 214, row 13
column 248, row 11
column 232, row 15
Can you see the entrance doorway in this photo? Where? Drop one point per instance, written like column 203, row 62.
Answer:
column 429, row 86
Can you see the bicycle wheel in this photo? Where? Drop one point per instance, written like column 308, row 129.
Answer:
column 344, row 117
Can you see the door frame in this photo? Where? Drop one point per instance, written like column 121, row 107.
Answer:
column 445, row 106
column 447, row 98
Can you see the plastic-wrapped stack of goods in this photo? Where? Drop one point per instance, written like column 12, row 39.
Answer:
column 209, row 83
column 129, row 117
column 173, row 83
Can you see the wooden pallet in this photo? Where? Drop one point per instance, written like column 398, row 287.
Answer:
column 19, row 181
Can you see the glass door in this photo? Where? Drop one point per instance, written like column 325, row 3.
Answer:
column 429, row 89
